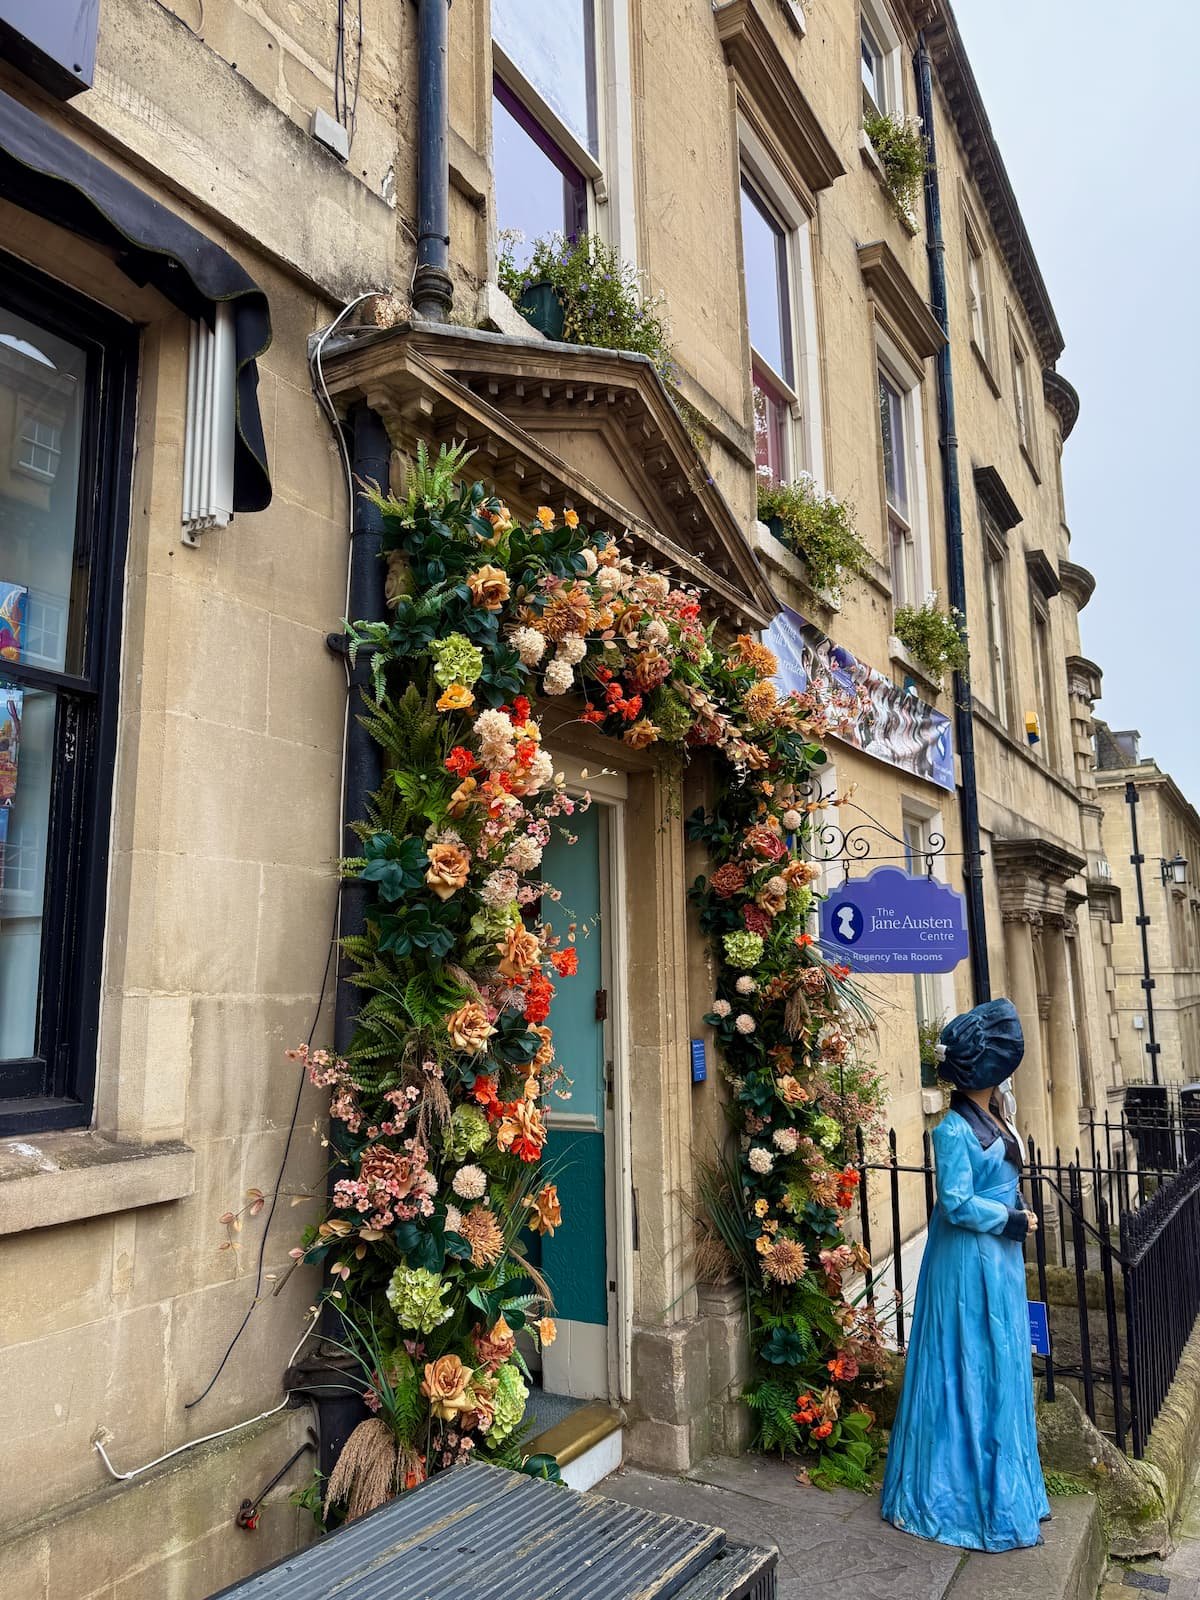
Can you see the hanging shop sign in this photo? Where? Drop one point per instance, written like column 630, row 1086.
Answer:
column 892, row 921
column 864, row 709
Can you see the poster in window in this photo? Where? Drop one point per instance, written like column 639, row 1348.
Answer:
column 10, row 738
column 13, row 600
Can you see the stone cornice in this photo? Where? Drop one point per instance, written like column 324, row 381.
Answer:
column 957, row 81
column 898, row 297
column 1043, row 573
column 768, row 86
column 993, row 491
column 1078, row 583
column 513, row 399
column 1032, row 876
column 1062, row 399
column 1084, row 677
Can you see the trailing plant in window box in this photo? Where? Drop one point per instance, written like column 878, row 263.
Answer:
column 935, row 639
column 816, row 526
column 900, row 146
column 580, row 290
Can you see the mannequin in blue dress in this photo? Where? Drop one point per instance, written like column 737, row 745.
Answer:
column 962, row 1465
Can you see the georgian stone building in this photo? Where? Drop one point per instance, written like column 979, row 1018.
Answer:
column 1168, row 831
column 236, row 178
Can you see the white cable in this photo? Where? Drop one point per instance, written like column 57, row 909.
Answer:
column 124, row 1477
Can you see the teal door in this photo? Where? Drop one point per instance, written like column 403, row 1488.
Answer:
column 575, row 1260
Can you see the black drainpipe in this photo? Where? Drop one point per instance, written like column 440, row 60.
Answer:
column 964, row 725
column 327, row 1376
column 433, row 292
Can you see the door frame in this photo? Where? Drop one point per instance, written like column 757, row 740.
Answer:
column 609, row 792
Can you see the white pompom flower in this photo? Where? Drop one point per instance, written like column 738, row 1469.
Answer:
column 761, row 1161
column 744, row 1022
column 721, row 1008
column 746, row 984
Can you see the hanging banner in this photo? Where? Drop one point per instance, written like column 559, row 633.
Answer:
column 864, row 708
column 890, row 921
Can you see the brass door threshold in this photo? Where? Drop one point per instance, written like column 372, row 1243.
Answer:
column 577, row 1432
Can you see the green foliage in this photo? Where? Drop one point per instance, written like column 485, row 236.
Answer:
column 817, row 527
column 773, row 1402
column 1060, row 1484
column 900, row 146
column 310, row 1497
column 935, row 639
column 602, row 297
column 848, row 1456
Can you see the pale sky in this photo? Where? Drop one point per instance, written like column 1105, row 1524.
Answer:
column 1093, row 105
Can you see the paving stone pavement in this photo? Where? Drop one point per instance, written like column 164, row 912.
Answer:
column 1178, row 1577
column 835, row 1545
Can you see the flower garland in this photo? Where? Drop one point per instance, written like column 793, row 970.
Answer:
column 439, row 1106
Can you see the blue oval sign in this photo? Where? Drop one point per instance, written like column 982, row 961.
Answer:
column 890, row 921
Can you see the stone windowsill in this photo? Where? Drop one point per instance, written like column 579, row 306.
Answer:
column 776, row 554
column 871, row 159
column 63, row 1177
column 902, row 659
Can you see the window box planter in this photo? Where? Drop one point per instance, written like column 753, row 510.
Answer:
column 542, row 308
column 908, row 664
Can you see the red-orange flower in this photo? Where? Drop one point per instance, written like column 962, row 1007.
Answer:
column 822, row 1430
column 538, row 995
column 460, row 761
column 566, row 962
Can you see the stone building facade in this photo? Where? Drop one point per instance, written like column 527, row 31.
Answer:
column 1169, row 841
column 687, row 137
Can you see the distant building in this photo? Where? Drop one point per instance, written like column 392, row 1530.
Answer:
column 1169, row 840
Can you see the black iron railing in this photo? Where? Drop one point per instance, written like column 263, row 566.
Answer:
column 1116, row 1257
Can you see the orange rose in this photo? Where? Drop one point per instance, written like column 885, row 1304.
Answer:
column 545, row 1210
column 545, row 1051
column 571, row 518
column 469, row 1028
column 547, row 1330
column 640, row 733
column 456, row 698
column 545, row 516
column 489, row 587
column 520, row 952
column 445, row 1387
column 449, row 865
column 522, row 1130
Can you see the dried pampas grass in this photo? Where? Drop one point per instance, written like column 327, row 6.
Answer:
column 368, row 1472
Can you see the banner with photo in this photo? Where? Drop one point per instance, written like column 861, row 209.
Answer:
column 863, row 708
column 13, row 598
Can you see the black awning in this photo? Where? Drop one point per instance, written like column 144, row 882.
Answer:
column 43, row 171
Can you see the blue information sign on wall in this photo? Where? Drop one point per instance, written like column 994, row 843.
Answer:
column 1039, row 1328
column 890, row 921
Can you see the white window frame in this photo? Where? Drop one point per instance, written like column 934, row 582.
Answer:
column 908, row 382
column 979, row 301
column 1041, row 634
column 805, row 437
column 1023, row 397
column 876, row 20
column 608, row 177
column 999, row 633
column 28, row 438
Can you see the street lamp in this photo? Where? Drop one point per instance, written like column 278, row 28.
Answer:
column 1174, row 871
column 1132, row 799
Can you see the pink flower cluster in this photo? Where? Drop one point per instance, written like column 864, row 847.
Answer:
column 389, row 1186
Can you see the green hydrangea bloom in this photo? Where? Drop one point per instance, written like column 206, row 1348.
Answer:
column 417, row 1297
column 743, row 949
column 467, row 1134
column 511, row 1395
column 672, row 715
column 455, row 660
column 826, row 1132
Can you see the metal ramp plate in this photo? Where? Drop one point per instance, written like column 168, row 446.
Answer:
column 482, row 1533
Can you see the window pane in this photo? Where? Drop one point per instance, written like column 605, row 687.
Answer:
column 771, row 413
column 26, row 741
column 904, row 575
column 764, row 253
column 895, row 446
column 43, row 579
column 538, row 191
column 552, row 43
column 872, row 68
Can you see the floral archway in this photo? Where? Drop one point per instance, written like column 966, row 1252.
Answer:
column 441, row 1099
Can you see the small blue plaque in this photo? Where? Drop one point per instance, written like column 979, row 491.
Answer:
column 699, row 1061
column 1039, row 1328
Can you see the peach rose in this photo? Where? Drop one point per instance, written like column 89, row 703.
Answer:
column 545, row 1210
column 489, row 587
column 445, row 1387
column 547, row 1330
column 640, row 734
column 469, row 1028
column 449, row 865
column 519, row 952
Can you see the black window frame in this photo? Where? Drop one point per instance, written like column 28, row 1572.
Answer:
column 55, row 1087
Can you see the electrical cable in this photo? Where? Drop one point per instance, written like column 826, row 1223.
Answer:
column 326, row 401
column 179, row 1450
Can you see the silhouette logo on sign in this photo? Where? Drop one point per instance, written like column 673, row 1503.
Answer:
column 848, row 924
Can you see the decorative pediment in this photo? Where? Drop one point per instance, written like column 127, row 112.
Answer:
column 1042, row 573
column 557, row 424
column 995, row 496
column 900, row 300
column 769, row 95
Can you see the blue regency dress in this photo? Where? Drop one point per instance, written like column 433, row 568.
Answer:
column 962, row 1465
